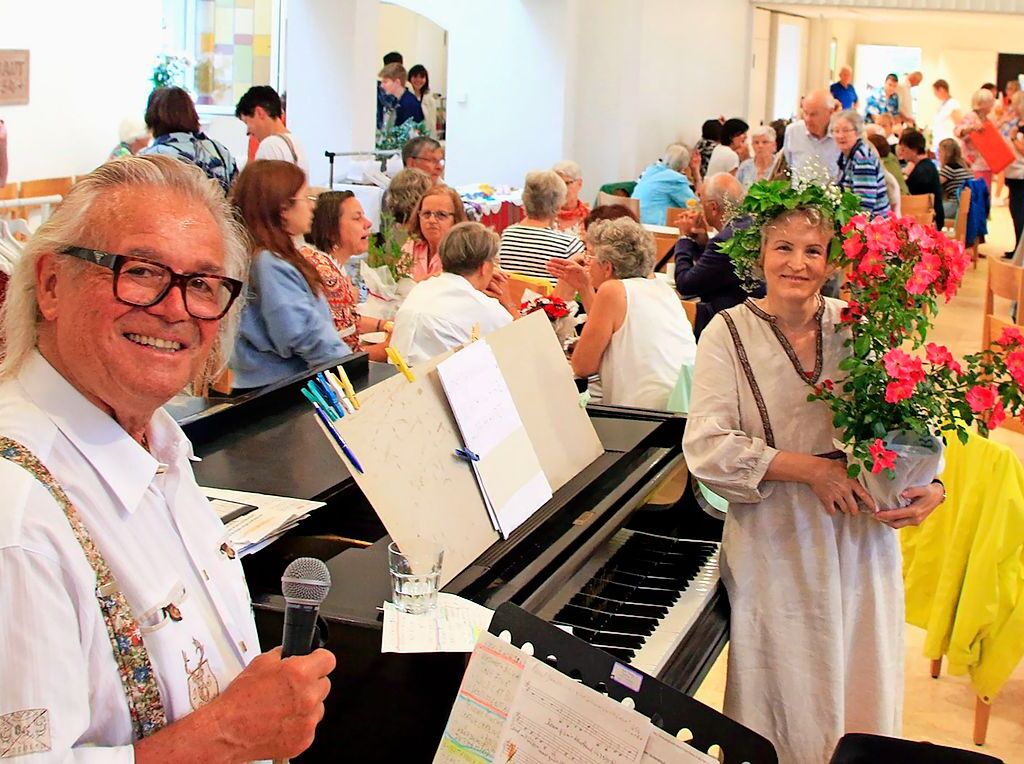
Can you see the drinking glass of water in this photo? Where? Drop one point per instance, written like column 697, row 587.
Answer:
column 415, row 577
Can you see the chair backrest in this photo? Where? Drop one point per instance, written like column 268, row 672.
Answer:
column 606, row 200
column 45, row 187
column 518, row 283
column 690, row 306
column 8, row 192
column 663, row 245
column 964, row 207
column 1005, row 281
column 921, row 207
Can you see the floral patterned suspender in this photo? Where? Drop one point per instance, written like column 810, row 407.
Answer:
column 748, row 372
column 133, row 664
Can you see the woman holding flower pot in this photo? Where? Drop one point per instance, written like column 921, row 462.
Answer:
column 811, row 565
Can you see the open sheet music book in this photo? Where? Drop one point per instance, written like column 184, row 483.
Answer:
column 515, row 709
column 511, row 478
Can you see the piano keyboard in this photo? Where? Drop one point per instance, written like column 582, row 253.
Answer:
column 638, row 596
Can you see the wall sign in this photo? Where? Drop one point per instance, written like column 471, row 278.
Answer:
column 13, row 77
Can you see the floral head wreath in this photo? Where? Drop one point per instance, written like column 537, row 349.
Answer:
column 767, row 200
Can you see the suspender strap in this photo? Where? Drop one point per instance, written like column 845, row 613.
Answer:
column 137, row 677
column 748, row 372
column 291, row 148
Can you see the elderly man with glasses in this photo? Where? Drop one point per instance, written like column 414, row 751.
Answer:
column 125, row 625
column 425, row 154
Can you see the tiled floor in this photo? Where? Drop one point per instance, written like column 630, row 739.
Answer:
column 942, row 710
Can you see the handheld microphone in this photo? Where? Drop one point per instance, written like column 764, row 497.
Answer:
column 305, row 584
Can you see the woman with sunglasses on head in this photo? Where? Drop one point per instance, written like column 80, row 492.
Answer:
column 437, row 211
column 287, row 326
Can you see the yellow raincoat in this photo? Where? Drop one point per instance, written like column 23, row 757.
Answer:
column 964, row 567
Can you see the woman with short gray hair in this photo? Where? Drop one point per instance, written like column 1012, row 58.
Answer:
column 404, row 193
column 440, row 313
column 573, row 212
column 860, row 169
column 637, row 334
column 759, row 166
column 527, row 246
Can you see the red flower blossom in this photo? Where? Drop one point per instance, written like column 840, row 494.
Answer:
column 852, row 313
column 899, row 390
column 1011, row 335
column 981, row 398
column 903, row 367
column 1015, row 365
column 881, row 457
column 996, row 417
column 940, row 356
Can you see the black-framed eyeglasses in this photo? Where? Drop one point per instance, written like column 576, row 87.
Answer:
column 143, row 283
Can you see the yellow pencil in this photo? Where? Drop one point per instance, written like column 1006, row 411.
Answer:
column 397, row 360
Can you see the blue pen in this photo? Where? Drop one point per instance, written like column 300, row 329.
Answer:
column 337, row 438
column 328, row 393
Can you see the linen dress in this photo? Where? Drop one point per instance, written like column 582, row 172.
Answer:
column 816, row 635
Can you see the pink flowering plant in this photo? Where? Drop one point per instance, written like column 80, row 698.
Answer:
column 899, row 390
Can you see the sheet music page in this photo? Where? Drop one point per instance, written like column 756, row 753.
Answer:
column 663, row 748
column 509, row 471
column 481, row 707
column 556, row 720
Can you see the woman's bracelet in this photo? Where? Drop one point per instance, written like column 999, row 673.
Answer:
column 943, row 487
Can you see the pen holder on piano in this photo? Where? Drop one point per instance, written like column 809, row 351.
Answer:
column 666, row 707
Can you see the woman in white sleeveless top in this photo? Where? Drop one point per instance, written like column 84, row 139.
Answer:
column 637, row 334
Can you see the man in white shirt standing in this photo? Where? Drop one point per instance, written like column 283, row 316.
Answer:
column 125, row 626
column 908, row 81
column 808, row 141
column 441, row 312
column 261, row 111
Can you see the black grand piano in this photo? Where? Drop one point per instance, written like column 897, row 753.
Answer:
column 638, row 581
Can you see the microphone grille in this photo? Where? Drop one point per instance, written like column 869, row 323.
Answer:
column 306, row 580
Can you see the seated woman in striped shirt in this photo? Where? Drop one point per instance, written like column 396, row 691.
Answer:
column 860, row 169
column 526, row 247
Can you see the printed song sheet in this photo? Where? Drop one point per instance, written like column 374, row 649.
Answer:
column 663, row 748
column 556, row 720
column 481, row 707
column 509, row 472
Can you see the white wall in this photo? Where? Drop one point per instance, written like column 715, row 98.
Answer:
column 419, row 40
column 90, row 68
column 650, row 73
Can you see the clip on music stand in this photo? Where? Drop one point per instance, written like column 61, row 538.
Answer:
column 666, row 707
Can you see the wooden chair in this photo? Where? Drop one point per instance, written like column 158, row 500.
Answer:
column 46, row 187
column 690, row 306
column 921, row 207
column 1005, row 281
column 8, row 193
column 518, row 283
column 606, row 200
column 960, row 224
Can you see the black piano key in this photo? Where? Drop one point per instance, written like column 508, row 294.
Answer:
column 621, row 654
column 572, row 615
column 626, row 593
column 628, row 641
column 621, row 608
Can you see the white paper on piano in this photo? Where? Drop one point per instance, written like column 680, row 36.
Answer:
column 663, row 748
column 509, row 471
column 273, row 516
column 557, row 720
column 454, row 626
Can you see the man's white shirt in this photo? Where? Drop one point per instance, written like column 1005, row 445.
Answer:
column 162, row 542
column 281, row 146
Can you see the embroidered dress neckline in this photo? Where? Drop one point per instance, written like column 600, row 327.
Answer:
column 810, row 377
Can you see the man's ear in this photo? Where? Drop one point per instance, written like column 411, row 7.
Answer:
column 47, row 276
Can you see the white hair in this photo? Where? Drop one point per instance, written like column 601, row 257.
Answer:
column 981, row 98
column 763, row 131
column 568, row 170
column 723, row 159
column 850, row 116
column 543, row 194
column 74, row 223
column 677, row 157
column 724, row 189
column 625, row 245
column 132, row 129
